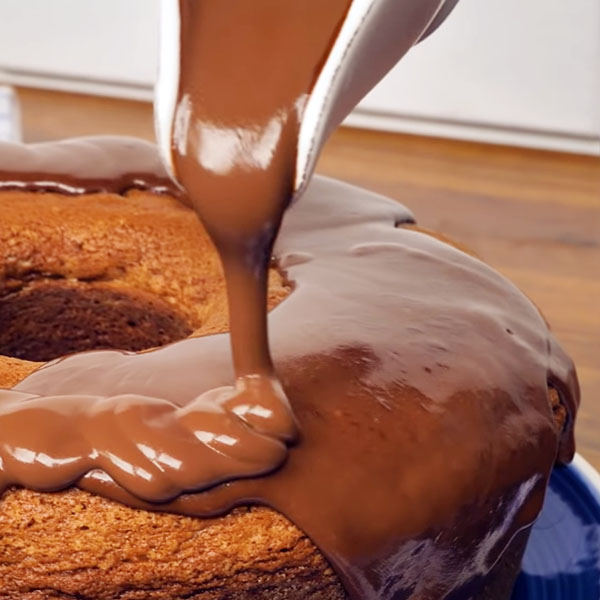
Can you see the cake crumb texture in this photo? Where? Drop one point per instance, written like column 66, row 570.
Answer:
column 76, row 545
column 106, row 271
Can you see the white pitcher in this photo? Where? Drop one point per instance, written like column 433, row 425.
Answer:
column 373, row 38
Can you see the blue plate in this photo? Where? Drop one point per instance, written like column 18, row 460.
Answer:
column 562, row 561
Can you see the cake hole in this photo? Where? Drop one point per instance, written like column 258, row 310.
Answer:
column 558, row 408
column 49, row 319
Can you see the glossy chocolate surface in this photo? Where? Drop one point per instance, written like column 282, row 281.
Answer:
column 246, row 70
column 418, row 377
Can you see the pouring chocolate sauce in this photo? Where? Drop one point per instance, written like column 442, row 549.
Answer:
column 246, row 76
column 245, row 73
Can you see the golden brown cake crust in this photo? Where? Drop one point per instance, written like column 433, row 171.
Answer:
column 76, row 545
column 13, row 370
column 122, row 244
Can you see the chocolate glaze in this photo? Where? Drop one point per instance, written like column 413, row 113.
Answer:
column 83, row 166
column 427, row 437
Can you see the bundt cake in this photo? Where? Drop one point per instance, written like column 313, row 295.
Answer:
column 432, row 400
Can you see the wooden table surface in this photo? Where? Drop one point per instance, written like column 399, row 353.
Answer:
column 533, row 215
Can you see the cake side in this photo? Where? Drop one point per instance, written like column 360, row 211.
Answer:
column 77, row 545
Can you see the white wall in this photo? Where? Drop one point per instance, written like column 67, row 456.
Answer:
column 512, row 71
column 521, row 71
column 76, row 43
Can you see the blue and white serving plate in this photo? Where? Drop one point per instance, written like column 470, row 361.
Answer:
column 562, row 561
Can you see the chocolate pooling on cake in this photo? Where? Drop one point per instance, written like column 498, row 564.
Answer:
column 404, row 361
column 394, row 352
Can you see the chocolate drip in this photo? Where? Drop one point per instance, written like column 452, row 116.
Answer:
column 109, row 164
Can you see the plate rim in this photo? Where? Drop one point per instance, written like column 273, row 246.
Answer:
column 588, row 475
column 584, row 481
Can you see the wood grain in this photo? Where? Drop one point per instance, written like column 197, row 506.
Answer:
column 533, row 215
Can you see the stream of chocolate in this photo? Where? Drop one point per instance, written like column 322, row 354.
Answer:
column 418, row 377
column 246, row 70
